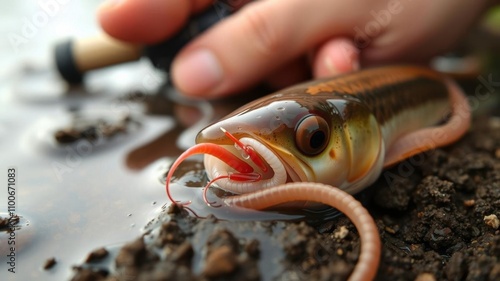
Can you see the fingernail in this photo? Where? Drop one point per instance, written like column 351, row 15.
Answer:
column 332, row 70
column 198, row 72
column 110, row 4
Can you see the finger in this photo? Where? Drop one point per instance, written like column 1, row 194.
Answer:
column 254, row 42
column 149, row 21
column 289, row 74
column 338, row 55
column 199, row 5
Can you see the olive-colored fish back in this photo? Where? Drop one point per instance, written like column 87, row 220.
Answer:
column 386, row 91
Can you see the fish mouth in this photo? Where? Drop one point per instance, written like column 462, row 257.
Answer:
column 275, row 172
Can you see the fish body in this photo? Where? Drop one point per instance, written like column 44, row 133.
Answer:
column 335, row 131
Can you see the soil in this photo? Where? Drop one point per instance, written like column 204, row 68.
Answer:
column 430, row 211
column 6, row 223
column 84, row 128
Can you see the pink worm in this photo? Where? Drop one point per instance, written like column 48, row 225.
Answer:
column 369, row 257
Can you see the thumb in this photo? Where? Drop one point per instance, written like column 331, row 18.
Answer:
column 253, row 43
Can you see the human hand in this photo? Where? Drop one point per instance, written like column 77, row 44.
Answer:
column 282, row 40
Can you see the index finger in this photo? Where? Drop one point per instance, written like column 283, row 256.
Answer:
column 151, row 21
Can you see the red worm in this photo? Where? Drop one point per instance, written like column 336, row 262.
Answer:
column 211, row 149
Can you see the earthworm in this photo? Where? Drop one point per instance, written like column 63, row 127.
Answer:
column 369, row 257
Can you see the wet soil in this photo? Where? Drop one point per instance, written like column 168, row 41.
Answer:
column 437, row 214
column 92, row 130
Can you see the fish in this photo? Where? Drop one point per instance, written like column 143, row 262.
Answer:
column 327, row 139
column 340, row 131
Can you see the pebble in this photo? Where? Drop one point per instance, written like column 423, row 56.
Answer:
column 97, row 255
column 425, row 277
column 341, row 233
column 492, row 221
column 469, row 203
column 390, row 230
column 221, row 261
column 49, row 263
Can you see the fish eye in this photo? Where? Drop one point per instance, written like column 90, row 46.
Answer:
column 312, row 134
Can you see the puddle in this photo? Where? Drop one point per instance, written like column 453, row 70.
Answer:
column 84, row 174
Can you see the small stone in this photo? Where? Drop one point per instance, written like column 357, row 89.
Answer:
column 425, row 277
column 492, row 221
column 341, row 233
column 390, row 230
column 97, row 255
column 221, row 261
column 469, row 203
column 49, row 263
